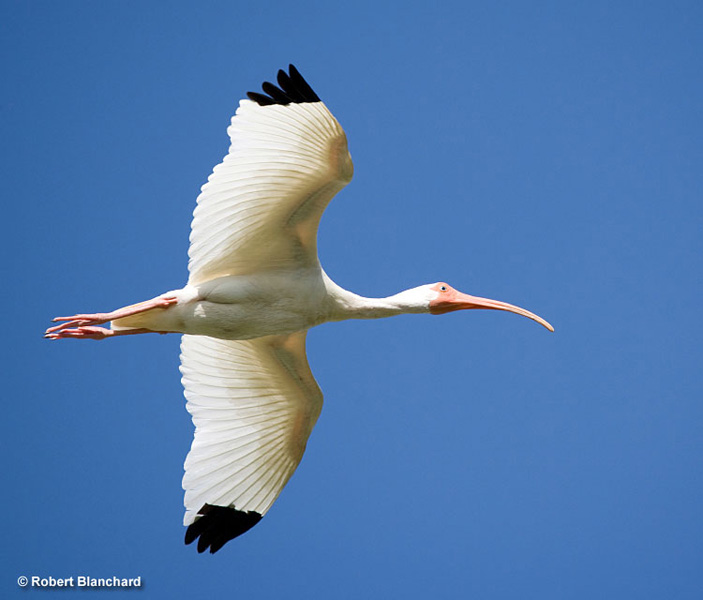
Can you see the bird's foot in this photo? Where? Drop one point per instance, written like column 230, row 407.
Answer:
column 78, row 321
column 87, row 332
column 79, row 333
column 90, row 320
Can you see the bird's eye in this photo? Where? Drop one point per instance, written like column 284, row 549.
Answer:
column 442, row 288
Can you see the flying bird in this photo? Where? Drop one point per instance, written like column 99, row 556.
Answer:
column 255, row 287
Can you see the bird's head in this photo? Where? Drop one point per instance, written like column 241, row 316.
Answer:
column 443, row 298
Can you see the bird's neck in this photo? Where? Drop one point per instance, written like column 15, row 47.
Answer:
column 348, row 305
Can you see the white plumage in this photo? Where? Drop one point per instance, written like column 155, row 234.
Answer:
column 260, row 208
column 254, row 404
column 255, row 287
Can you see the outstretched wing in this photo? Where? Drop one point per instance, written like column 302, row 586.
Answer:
column 254, row 404
column 261, row 206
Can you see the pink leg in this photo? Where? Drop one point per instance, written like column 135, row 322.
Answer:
column 100, row 318
column 93, row 333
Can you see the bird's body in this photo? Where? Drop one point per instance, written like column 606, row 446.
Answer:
column 255, row 287
column 242, row 307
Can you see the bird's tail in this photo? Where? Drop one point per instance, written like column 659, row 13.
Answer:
column 152, row 314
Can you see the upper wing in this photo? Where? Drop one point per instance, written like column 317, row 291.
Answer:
column 261, row 206
column 254, row 404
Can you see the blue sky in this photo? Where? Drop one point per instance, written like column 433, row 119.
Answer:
column 537, row 153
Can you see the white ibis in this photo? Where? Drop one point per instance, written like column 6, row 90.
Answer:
column 255, row 287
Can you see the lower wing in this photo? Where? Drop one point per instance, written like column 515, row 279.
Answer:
column 254, row 404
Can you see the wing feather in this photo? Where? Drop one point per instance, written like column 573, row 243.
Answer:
column 261, row 206
column 254, row 404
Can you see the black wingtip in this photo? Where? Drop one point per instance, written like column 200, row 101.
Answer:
column 260, row 99
column 292, row 89
column 217, row 525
